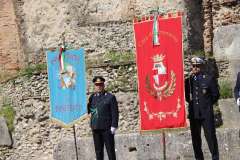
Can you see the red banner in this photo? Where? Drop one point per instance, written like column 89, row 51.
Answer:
column 160, row 73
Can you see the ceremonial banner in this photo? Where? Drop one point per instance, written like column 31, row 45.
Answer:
column 66, row 78
column 160, row 72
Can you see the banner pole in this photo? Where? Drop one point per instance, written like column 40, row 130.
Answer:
column 75, row 141
column 164, row 145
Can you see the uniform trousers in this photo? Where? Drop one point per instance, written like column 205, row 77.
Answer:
column 104, row 137
column 210, row 135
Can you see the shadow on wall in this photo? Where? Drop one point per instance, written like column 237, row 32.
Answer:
column 195, row 25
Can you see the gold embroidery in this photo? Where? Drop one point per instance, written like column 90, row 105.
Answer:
column 162, row 115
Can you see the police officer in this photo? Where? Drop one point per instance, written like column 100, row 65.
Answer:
column 202, row 92
column 103, row 108
column 237, row 90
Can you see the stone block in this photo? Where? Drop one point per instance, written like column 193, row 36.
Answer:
column 226, row 46
column 5, row 138
column 149, row 147
column 226, row 42
column 230, row 113
column 129, row 147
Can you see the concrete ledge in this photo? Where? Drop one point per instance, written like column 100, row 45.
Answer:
column 149, row 147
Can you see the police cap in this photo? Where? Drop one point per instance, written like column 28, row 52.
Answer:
column 197, row 61
column 98, row 79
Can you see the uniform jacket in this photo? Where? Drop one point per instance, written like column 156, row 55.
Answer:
column 201, row 92
column 237, row 87
column 103, row 108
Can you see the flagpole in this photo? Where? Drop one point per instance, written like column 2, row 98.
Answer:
column 75, row 141
column 164, row 145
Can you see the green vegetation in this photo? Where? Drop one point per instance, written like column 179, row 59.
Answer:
column 33, row 69
column 199, row 53
column 29, row 71
column 8, row 113
column 114, row 56
column 225, row 89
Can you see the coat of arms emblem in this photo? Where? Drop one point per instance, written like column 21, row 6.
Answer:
column 161, row 87
column 68, row 77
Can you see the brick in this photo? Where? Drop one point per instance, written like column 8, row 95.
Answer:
column 10, row 49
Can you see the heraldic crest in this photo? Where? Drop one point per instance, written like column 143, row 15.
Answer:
column 160, row 88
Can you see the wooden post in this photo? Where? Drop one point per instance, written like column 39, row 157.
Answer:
column 75, row 141
column 164, row 146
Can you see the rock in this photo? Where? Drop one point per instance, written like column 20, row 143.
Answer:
column 226, row 45
column 5, row 138
column 230, row 113
column 226, row 42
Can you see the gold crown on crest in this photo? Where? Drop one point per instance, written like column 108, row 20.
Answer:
column 158, row 58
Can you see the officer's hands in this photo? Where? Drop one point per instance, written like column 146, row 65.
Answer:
column 113, row 130
column 238, row 101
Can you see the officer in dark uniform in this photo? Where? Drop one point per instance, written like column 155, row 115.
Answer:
column 237, row 90
column 103, row 108
column 201, row 92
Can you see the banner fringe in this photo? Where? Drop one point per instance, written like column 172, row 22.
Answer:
column 151, row 17
column 60, row 123
column 157, row 131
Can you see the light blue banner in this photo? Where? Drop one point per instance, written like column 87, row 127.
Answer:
column 68, row 88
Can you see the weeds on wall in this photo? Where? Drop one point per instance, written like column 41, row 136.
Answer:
column 8, row 113
column 115, row 56
column 225, row 89
column 33, row 69
column 199, row 53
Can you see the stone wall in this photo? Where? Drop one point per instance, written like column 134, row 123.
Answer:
column 11, row 55
column 98, row 26
column 217, row 13
column 225, row 12
column 102, row 26
column 226, row 20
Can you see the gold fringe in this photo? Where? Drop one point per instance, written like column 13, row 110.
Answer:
column 62, row 124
